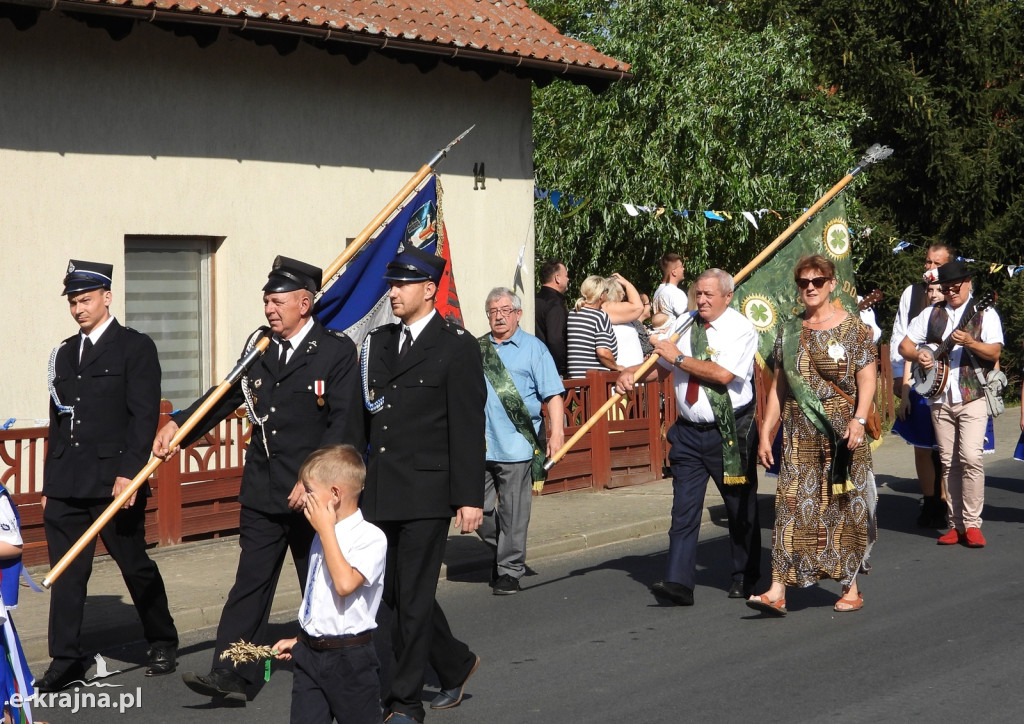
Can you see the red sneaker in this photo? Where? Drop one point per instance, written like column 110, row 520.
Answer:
column 973, row 538
column 952, row 537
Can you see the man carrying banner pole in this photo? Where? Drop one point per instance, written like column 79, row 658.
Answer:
column 302, row 395
column 715, row 436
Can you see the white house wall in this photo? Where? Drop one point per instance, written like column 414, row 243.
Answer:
column 291, row 155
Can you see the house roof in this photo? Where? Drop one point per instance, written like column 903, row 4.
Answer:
column 502, row 32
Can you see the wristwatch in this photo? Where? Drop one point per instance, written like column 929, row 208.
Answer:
column 678, row 361
column 862, row 421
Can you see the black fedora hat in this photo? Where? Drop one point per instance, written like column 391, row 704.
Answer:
column 954, row 271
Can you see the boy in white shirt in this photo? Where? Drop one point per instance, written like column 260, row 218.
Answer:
column 337, row 674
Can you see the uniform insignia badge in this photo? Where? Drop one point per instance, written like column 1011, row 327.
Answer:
column 319, row 388
column 71, row 267
column 372, row 395
column 257, row 383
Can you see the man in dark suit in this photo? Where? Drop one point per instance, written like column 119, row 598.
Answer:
column 424, row 389
column 104, row 406
column 301, row 395
column 551, row 315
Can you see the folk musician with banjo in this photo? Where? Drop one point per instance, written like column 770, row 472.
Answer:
column 953, row 345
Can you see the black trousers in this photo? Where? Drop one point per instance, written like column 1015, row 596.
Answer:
column 65, row 520
column 695, row 456
column 419, row 630
column 336, row 685
column 264, row 539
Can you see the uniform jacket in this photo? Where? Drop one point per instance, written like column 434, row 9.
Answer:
column 427, row 447
column 296, row 423
column 116, row 395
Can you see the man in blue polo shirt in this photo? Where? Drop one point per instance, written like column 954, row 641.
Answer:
column 521, row 376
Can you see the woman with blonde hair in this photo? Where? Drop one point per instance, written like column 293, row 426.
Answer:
column 623, row 306
column 589, row 335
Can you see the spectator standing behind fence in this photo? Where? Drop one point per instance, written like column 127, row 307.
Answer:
column 642, row 331
column 825, row 503
column 591, row 339
column 669, row 300
column 551, row 313
column 623, row 306
column 521, row 376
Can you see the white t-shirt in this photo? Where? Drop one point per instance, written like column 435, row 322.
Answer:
column 630, row 351
column 323, row 612
column 671, row 300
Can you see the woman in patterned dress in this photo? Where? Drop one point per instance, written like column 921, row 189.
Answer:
column 825, row 504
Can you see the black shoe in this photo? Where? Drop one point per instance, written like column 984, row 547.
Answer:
column 219, row 684
column 506, row 585
column 162, row 660
column 60, row 679
column 677, row 593
column 447, row 698
column 739, row 589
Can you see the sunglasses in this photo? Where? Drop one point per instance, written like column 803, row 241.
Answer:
column 953, row 288
column 818, row 282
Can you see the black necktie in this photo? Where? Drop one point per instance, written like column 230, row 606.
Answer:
column 282, row 356
column 406, row 343
column 86, row 346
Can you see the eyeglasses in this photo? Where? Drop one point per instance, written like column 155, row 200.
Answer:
column 952, row 288
column 818, row 282
column 503, row 312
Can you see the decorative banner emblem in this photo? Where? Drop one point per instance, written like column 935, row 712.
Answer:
column 760, row 311
column 837, row 239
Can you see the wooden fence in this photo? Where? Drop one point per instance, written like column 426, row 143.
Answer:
column 195, row 496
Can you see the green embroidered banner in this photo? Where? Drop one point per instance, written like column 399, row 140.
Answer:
column 769, row 296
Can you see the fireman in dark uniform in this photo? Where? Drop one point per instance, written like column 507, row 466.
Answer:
column 104, row 407
column 423, row 388
column 302, row 394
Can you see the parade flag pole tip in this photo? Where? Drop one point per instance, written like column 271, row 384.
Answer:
column 444, row 151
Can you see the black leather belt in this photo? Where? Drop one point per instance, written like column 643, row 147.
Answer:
column 326, row 643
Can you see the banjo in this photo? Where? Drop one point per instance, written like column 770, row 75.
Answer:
column 932, row 382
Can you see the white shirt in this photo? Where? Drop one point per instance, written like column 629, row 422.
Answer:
column 295, row 340
column 628, row 340
column 323, row 612
column 732, row 341
column 9, row 530
column 418, row 326
column 899, row 331
column 671, row 300
column 991, row 333
column 94, row 335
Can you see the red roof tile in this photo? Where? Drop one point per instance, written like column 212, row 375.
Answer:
column 508, row 29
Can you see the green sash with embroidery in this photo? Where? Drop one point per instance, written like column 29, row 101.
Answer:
column 733, row 462
column 810, row 405
column 501, row 380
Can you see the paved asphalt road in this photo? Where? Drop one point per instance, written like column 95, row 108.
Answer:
column 939, row 639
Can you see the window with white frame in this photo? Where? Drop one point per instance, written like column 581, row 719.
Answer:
column 168, row 297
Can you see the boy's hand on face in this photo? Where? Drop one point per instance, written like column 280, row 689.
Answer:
column 320, row 515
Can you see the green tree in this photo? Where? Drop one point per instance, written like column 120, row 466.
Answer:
column 718, row 117
column 942, row 84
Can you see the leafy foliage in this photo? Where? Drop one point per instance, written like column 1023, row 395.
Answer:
column 717, row 118
column 768, row 102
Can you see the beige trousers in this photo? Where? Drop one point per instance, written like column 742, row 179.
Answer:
column 960, row 434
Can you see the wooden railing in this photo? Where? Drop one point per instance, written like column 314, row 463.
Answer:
column 195, row 496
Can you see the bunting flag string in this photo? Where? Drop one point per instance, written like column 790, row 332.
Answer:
column 993, row 267
column 568, row 205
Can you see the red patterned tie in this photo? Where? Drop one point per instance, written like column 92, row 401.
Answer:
column 692, row 385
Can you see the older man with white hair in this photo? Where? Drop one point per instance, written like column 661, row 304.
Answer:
column 521, row 377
